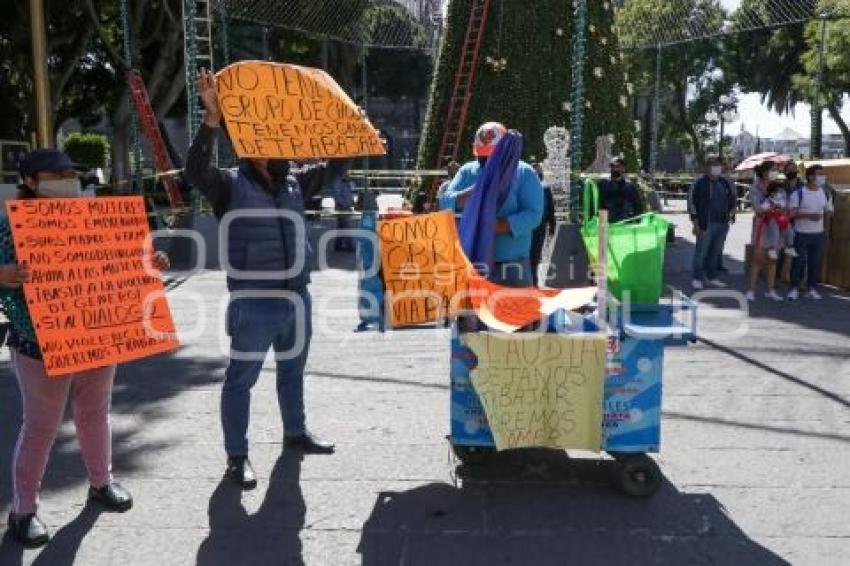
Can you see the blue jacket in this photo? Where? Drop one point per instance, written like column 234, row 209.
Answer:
column 523, row 208
column 705, row 198
column 272, row 235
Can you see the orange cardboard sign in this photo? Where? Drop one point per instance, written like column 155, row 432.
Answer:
column 423, row 267
column 93, row 298
column 280, row 111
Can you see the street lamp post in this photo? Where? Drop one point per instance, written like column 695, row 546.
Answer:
column 726, row 110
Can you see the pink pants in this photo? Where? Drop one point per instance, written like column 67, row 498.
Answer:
column 44, row 401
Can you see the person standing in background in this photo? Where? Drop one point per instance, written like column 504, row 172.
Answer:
column 547, row 226
column 344, row 206
column 711, row 205
column 809, row 205
column 619, row 196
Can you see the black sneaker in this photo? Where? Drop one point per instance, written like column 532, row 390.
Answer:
column 240, row 472
column 29, row 530
column 112, row 496
column 308, row 444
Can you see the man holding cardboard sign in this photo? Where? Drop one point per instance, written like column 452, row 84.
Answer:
column 264, row 240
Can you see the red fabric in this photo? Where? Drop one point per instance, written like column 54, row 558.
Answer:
column 782, row 222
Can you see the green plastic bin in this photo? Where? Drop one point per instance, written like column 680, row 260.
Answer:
column 635, row 251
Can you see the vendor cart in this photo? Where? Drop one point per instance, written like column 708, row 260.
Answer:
column 631, row 423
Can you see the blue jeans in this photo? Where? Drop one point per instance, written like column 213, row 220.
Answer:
column 809, row 250
column 255, row 324
column 709, row 251
column 515, row 273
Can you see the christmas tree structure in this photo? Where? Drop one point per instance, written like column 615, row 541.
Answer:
column 523, row 78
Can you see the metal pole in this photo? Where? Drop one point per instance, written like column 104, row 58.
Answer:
column 577, row 101
column 816, row 145
column 656, row 120
column 266, row 51
column 224, row 24
column 135, row 148
column 43, row 109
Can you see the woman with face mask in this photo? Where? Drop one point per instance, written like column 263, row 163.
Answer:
column 809, row 205
column 49, row 173
column 767, row 235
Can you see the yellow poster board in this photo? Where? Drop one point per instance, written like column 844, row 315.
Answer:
column 541, row 390
column 280, row 111
column 423, row 268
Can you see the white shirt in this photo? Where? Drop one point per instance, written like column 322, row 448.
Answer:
column 813, row 202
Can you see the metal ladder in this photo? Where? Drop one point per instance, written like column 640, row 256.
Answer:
column 198, row 52
column 150, row 126
column 463, row 82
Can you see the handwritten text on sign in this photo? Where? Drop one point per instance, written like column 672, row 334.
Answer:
column 273, row 110
column 423, row 268
column 541, row 389
column 90, row 298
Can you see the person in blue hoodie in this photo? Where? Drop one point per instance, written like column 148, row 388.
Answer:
column 501, row 198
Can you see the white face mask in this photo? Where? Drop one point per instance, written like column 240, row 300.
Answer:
column 773, row 175
column 59, row 188
column 820, row 180
column 716, row 171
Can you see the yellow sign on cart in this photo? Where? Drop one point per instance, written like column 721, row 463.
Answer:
column 541, row 390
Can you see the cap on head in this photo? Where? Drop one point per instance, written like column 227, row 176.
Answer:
column 487, row 138
column 44, row 160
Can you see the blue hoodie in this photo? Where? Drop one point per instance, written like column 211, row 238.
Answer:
column 523, row 208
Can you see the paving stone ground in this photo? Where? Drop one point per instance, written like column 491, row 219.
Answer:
column 756, row 452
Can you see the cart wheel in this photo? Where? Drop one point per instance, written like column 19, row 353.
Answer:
column 473, row 455
column 638, row 475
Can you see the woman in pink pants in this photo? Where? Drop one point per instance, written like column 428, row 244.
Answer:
column 50, row 174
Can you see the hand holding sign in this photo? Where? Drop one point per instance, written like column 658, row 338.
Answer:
column 209, row 97
column 279, row 111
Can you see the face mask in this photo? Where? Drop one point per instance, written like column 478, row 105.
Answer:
column 820, row 181
column 278, row 169
column 716, row 171
column 772, row 176
column 59, row 188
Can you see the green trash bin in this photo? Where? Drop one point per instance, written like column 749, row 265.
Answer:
column 635, row 251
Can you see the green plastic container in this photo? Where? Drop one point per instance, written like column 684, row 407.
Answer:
column 635, row 251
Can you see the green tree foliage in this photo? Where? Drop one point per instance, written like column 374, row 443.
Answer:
column 78, row 80
column 782, row 63
column 87, row 148
column 397, row 73
column 524, row 77
column 690, row 81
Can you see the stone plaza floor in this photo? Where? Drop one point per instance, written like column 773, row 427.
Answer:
column 755, row 451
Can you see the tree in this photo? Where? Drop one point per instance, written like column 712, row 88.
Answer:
column 781, row 63
column 691, row 76
column 77, row 77
column 524, row 77
column 157, row 34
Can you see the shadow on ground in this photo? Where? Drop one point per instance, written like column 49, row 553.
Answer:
column 269, row 536
column 540, row 507
column 140, row 389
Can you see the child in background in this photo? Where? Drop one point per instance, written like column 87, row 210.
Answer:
column 776, row 225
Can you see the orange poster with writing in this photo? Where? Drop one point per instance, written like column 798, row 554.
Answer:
column 423, row 268
column 280, row 111
column 93, row 297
